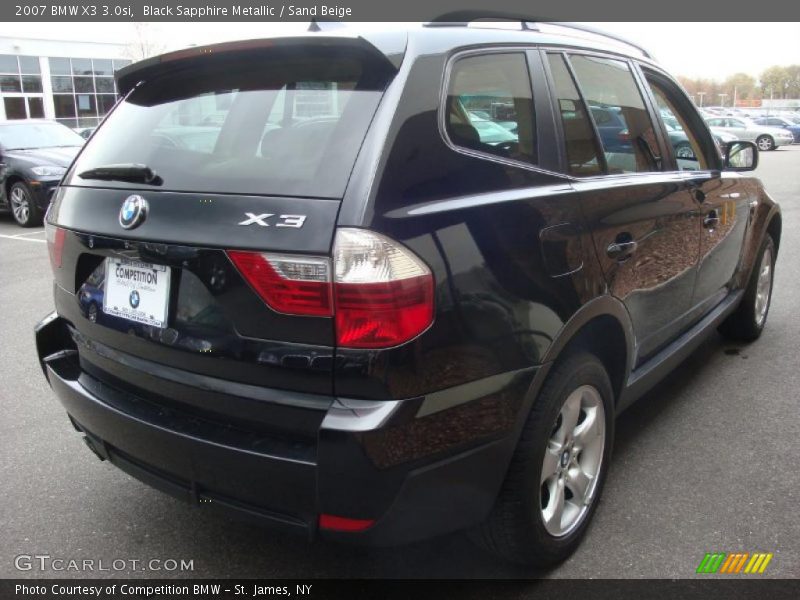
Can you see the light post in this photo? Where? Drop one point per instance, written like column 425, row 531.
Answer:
column 722, row 99
column 701, row 94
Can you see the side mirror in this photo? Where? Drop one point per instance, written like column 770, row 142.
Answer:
column 741, row 156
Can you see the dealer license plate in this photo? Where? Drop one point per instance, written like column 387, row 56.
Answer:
column 137, row 291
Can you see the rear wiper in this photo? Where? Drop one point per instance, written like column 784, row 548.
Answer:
column 132, row 172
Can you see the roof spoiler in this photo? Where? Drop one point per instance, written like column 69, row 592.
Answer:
column 387, row 50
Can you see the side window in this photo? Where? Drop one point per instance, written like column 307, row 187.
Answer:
column 583, row 156
column 628, row 139
column 490, row 106
column 684, row 137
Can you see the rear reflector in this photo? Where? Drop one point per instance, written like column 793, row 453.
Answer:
column 294, row 285
column 380, row 293
column 332, row 523
column 55, row 244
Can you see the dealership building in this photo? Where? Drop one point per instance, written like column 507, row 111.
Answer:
column 71, row 82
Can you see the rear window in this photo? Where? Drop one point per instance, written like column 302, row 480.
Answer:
column 288, row 127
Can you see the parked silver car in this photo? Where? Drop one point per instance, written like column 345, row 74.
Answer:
column 766, row 138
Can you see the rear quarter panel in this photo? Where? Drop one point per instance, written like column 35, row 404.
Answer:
column 505, row 243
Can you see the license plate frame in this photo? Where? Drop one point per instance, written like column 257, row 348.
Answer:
column 137, row 291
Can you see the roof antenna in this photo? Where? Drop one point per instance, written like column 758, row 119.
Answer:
column 314, row 26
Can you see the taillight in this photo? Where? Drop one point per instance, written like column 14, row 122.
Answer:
column 383, row 293
column 380, row 293
column 294, row 285
column 334, row 523
column 55, row 244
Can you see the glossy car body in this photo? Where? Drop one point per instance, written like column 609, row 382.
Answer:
column 747, row 129
column 38, row 164
column 241, row 408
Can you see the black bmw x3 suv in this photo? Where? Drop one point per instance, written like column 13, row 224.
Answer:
column 385, row 286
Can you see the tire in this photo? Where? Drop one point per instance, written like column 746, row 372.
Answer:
column 749, row 319
column 23, row 208
column 517, row 529
column 765, row 143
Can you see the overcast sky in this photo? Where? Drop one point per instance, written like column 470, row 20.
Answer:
column 712, row 50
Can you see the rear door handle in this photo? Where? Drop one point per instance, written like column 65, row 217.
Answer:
column 621, row 251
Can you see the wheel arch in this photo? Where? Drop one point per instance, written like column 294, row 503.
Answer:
column 10, row 181
column 774, row 227
column 603, row 328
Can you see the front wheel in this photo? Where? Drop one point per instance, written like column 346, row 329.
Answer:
column 765, row 143
column 23, row 208
column 558, row 469
column 749, row 319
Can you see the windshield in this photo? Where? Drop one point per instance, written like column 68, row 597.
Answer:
column 291, row 127
column 22, row 136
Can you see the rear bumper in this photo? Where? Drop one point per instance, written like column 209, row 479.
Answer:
column 377, row 464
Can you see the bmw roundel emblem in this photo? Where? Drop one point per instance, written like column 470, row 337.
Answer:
column 134, row 299
column 133, row 211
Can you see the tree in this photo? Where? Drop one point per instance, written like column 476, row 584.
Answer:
column 793, row 89
column 740, row 85
column 144, row 44
column 775, row 82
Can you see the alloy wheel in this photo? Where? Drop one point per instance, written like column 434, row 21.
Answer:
column 763, row 286
column 20, row 204
column 572, row 461
column 764, row 144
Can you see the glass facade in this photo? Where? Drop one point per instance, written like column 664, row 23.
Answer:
column 83, row 89
column 80, row 92
column 21, row 87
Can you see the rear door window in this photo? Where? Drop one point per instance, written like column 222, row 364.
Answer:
column 623, row 122
column 584, row 157
column 291, row 127
column 489, row 106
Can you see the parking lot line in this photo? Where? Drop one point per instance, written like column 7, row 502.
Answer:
column 21, row 239
column 27, row 233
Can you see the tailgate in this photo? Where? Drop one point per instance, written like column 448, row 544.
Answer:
column 215, row 324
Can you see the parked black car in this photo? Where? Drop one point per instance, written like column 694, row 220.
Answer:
column 350, row 317
column 34, row 155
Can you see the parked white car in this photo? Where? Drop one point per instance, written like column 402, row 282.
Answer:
column 766, row 138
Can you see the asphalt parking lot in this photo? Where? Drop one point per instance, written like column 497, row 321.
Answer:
column 707, row 462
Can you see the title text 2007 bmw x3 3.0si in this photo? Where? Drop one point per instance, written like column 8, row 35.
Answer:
column 381, row 287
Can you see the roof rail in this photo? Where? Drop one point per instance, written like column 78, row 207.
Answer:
column 462, row 18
